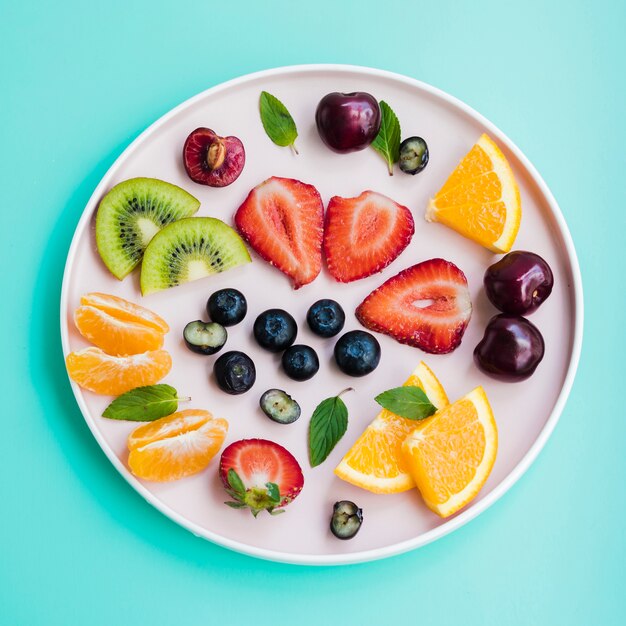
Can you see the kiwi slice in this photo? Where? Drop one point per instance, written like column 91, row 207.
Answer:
column 131, row 214
column 191, row 248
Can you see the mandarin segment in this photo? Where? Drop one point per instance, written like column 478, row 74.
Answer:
column 101, row 373
column 480, row 199
column 175, row 446
column 115, row 336
column 375, row 462
column 452, row 453
column 124, row 310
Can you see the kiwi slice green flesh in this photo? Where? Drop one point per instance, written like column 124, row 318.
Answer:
column 131, row 214
column 189, row 249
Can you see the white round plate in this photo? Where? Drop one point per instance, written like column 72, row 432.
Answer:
column 526, row 412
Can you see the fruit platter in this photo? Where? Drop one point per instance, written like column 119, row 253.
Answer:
column 322, row 314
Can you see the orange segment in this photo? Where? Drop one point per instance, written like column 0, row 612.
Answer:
column 116, row 336
column 175, row 446
column 125, row 310
column 451, row 453
column 375, row 462
column 480, row 199
column 101, row 373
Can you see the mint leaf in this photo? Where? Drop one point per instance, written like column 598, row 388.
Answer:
column 144, row 404
column 409, row 402
column 328, row 425
column 387, row 142
column 277, row 121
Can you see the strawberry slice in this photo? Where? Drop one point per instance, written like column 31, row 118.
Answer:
column 283, row 220
column 427, row 306
column 260, row 475
column 363, row 235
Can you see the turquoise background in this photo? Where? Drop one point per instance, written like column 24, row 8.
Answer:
column 78, row 81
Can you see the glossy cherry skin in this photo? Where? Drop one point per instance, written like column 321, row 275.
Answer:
column 348, row 122
column 511, row 348
column 519, row 282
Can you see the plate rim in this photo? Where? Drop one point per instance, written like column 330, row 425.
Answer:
column 446, row 527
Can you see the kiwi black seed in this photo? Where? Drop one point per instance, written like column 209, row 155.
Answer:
column 131, row 214
column 188, row 249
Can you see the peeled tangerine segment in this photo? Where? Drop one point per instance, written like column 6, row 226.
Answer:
column 131, row 214
column 480, row 199
column 124, row 310
column 175, row 446
column 451, row 454
column 189, row 249
column 114, row 336
column 102, row 373
column 375, row 462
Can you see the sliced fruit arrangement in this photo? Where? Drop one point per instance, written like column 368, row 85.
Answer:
column 427, row 306
column 119, row 326
column 260, row 475
column 102, row 373
column 450, row 455
column 480, row 199
column 283, row 220
column 363, row 235
column 375, row 461
column 131, row 214
column 190, row 249
column 175, row 446
column 213, row 160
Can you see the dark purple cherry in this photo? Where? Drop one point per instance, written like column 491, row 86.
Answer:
column 348, row 122
column 511, row 348
column 213, row 160
column 519, row 282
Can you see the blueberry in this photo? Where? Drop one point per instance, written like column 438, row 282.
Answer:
column 300, row 362
column 357, row 353
column 413, row 155
column 205, row 337
column 279, row 406
column 326, row 318
column 235, row 372
column 275, row 330
column 227, row 307
column 346, row 519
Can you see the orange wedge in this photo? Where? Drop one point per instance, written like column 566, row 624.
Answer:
column 375, row 462
column 480, row 199
column 175, row 446
column 125, row 310
column 115, row 336
column 99, row 372
column 451, row 453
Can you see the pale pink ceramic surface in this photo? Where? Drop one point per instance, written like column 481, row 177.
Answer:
column 525, row 412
